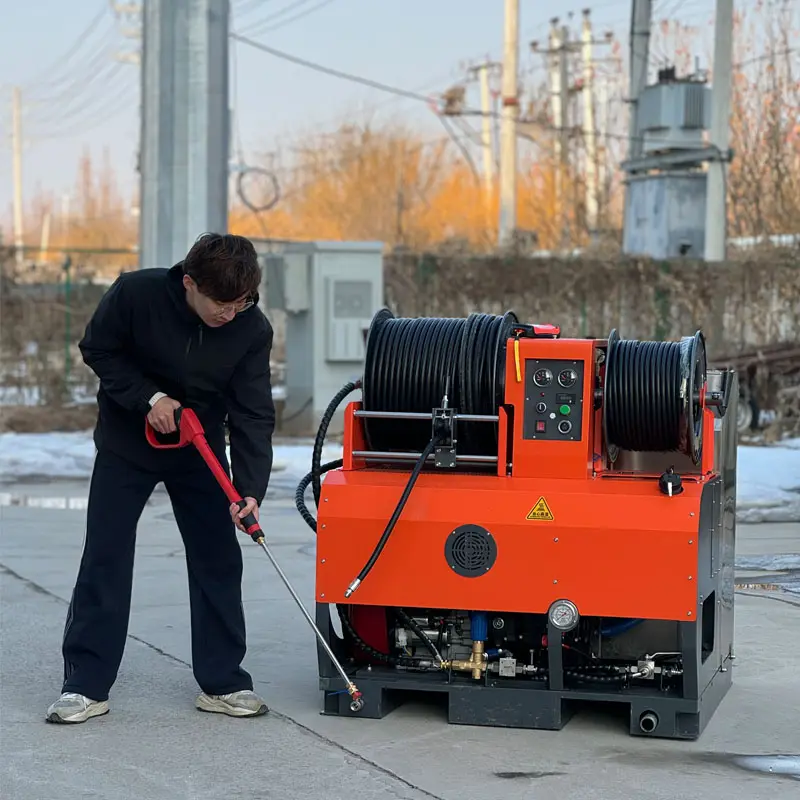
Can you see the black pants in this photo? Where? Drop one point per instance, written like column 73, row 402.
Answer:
column 99, row 612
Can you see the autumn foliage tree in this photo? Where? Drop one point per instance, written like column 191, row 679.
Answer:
column 417, row 191
column 764, row 177
column 395, row 186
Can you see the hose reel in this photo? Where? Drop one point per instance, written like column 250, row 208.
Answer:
column 653, row 397
column 412, row 363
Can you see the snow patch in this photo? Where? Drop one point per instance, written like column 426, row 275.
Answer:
column 768, row 482
column 62, row 456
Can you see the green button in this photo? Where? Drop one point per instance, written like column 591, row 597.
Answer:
column 565, row 410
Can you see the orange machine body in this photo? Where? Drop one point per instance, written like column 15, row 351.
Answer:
column 565, row 523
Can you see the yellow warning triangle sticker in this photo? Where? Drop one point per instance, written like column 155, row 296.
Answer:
column 541, row 511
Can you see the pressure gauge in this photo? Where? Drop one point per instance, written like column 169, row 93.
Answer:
column 567, row 378
column 564, row 615
column 543, row 377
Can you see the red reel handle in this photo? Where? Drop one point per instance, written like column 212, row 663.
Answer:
column 545, row 329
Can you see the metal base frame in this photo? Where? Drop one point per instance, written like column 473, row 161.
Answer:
column 706, row 644
column 544, row 704
column 528, row 705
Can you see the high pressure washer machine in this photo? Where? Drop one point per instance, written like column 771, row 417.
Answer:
column 527, row 523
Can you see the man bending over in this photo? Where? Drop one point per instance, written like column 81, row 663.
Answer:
column 192, row 336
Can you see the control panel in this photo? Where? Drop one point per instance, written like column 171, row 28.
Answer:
column 553, row 400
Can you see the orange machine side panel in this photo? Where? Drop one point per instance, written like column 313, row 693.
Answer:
column 353, row 437
column 560, row 458
column 616, row 548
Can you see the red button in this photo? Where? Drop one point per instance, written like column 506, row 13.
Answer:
column 539, row 426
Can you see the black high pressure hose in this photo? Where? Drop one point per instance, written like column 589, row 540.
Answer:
column 367, row 568
column 299, row 495
column 316, row 456
column 652, row 395
column 315, row 477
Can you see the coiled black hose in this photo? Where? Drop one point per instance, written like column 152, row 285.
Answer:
column 322, row 432
column 651, row 398
column 411, row 363
column 299, row 495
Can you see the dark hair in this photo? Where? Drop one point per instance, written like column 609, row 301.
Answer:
column 224, row 267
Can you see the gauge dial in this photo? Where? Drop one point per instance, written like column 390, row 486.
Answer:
column 543, row 377
column 564, row 615
column 567, row 378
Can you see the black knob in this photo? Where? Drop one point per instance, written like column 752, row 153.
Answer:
column 670, row 483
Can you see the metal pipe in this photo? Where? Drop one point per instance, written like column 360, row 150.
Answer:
column 357, row 702
column 648, row 721
column 424, row 416
column 382, row 455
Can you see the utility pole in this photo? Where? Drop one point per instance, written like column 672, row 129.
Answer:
column 45, row 237
column 558, row 65
column 482, row 71
column 602, row 161
column 185, row 126
column 719, row 138
column 589, row 126
column 508, row 129
column 639, row 55
column 488, row 144
column 65, row 218
column 639, row 60
column 16, row 151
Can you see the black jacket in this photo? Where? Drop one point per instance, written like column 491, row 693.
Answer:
column 144, row 338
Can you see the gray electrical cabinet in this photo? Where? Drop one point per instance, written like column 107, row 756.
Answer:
column 665, row 197
column 665, row 215
column 329, row 293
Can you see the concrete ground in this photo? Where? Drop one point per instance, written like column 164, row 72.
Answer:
column 155, row 745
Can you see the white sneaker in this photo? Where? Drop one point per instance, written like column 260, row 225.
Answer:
column 71, row 708
column 237, row 704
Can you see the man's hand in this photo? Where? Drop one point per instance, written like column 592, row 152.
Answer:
column 238, row 514
column 162, row 415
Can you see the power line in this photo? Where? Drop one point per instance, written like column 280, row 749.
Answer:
column 330, row 70
column 259, row 27
column 122, row 101
column 68, row 83
column 76, row 104
column 58, row 64
column 430, row 101
column 247, row 6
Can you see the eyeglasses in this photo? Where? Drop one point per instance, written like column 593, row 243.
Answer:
column 237, row 308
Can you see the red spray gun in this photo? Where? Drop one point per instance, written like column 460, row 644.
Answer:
column 190, row 432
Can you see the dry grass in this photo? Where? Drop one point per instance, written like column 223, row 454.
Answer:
column 42, row 419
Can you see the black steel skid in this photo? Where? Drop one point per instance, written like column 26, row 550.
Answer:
column 543, row 704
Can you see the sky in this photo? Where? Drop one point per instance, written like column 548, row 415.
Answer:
column 78, row 95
